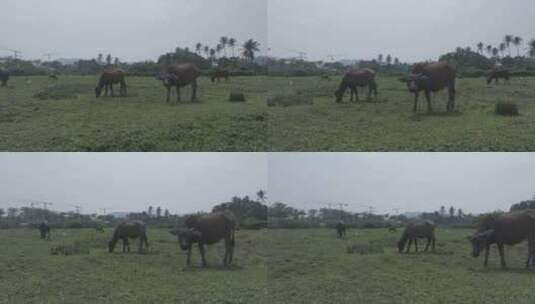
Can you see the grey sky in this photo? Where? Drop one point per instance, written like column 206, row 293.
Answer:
column 478, row 182
column 180, row 182
column 137, row 30
column 131, row 30
column 411, row 29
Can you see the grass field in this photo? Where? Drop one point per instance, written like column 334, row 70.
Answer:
column 30, row 274
column 72, row 120
column 312, row 266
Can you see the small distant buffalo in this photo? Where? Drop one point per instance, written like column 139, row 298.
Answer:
column 4, row 77
column 417, row 230
column 505, row 229
column 44, row 230
column 341, row 230
column 99, row 228
column 392, row 229
column 179, row 76
column 207, row 230
column 129, row 230
column 353, row 80
column 218, row 74
column 53, row 77
column 108, row 79
column 432, row 77
column 497, row 74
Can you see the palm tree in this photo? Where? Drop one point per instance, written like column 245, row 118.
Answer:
column 389, row 59
column 508, row 40
column 261, row 194
column 480, row 47
column 232, row 44
column 489, row 49
column 532, row 48
column 212, row 54
column 224, row 42
column 495, row 52
column 207, row 51
column 249, row 48
column 396, row 61
column 108, row 59
column 99, row 58
column 503, row 47
column 198, row 48
column 380, row 58
column 517, row 41
column 218, row 49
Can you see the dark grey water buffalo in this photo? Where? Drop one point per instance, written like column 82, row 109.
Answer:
column 353, row 80
column 129, row 230
column 107, row 79
column 44, row 230
column 207, row 230
column 218, row 74
column 340, row 229
column 179, row 76
column 497, row 74
column 431, row 78
column 4, row 77
column 417, row 230
column 505, row 229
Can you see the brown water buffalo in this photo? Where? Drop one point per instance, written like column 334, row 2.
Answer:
column 44, row 230
column 129, row 230
column 108, row 79
column 208, row 230
column 354, row 79
column 340, row 230
column 218, row 74
column 417, row 230
column 4, row 77
column 179, row 76
column 432, row 77
column 505, row 229
column 497, row 74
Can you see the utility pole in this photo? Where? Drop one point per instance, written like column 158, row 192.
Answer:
column 16, row 54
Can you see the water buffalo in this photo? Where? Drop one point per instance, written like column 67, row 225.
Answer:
column 108, row 79
column 417, row 230
column 179, row 76
column 218, row 74
column 354, row 79
column 4, row 77
column 340, row 230
column 432, row 77
column 392, row 229
column 44, row 230
column 496, row 74
column 505, row 229
column 129, row 230
column 207, row 230
column 53, row 77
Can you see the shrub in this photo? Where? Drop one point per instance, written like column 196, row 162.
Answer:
column 507, row 109
column 236, row 96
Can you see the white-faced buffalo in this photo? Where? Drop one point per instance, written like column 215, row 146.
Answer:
column 505, row 229
column 218, row 74
column 207, row 230
column 497, row 74
column 432, row 78
column 353, row 80
column 179, row 76
column 129, row 230
column 108, row 79
column 4, row 77
column 415, row 231
column 341, row 230
column 44, row 230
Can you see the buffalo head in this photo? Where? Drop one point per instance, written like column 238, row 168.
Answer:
column 418, row 82
column 479, row 241
column 98, row 91
column 186, row 237
column 168, row 79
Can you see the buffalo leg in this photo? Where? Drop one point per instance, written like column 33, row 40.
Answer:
column 194, row 91
column 111, row 89
column 416, row 244
column 428, row 98
column 409, row 246
column 487, row 252
column 370, row 90
column 433, row 240
column 231, row 254
column 106, row 90
column 451, row 93
column 168, row 94
column 351, row 95
column 188, row 259
column 416, row 97
column 531, row 252
column 178, row 99
column 227, row 252
column 124, row 245
column 201, row 249
column 502, row 257
column 356, row 94
column 428, row 243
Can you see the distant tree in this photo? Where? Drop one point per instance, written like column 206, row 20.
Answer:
column 207, row 51
column 150, row 210
column 442, row 211
column 218, row 49
column 480, row 47
column 232, row 45
column 389, row 59
column 396, row 61
column 503, row 47
column 108, row 59
column 2, row 212
column 452, row 211
column 100, row 58
column 508, row 40
column 517, row 42
column 489, row 50
column 250, row 47
column 460, row 213
column 116, row 61
column 532, row 48
column 495, row 52
column 158, row 212
column 12, row 212
column 380, row 58
column 166, row 213
column 198, row 48
column 224, row 43
column 261, row 194
column 213, row 53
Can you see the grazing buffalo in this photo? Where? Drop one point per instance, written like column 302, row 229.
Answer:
column 207, row 230
column 108, row 79
column 44, row 230
column 415, row 231
column 505, row 229
column 340, row 230
column 179, row 76
column 432, row 77
column 354, row 79
column 497, row 74
column 129, row 230
column 4, row 77
column 218, row 74
column 53, row 77
column 392, row 229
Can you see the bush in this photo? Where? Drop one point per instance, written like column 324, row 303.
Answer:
column 286, row 100
column 236, row 96
column 507, row 109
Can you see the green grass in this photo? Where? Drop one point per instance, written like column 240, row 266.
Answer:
column 68, row 118
column 312, row 266
column 30, row 274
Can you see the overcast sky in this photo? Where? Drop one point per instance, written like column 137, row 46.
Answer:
column 190, row 182
column 180, row 182
column 479, row 182
column 411, row 30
